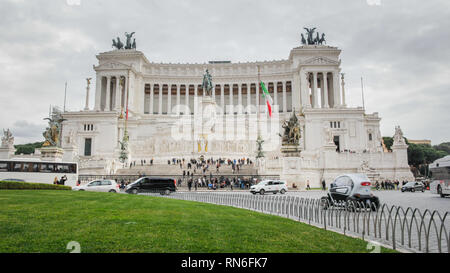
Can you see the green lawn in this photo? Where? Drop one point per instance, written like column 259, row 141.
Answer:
column 45, row 221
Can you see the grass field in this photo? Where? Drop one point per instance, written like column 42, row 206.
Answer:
column 46, row 221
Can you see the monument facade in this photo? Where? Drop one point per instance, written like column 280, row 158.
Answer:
column 160, row 106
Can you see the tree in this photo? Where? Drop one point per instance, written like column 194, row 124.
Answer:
column 27, row 148
column 445, row 147
column 416, row 155
column 388, row 141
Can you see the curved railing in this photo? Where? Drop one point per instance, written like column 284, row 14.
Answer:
column 409, row 229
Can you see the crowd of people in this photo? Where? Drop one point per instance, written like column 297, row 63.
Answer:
column 214, row 183
column 394, row 185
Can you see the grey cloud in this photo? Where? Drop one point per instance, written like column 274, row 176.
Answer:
column 399, row 47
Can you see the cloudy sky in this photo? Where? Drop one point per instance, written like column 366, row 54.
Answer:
column 400, row 48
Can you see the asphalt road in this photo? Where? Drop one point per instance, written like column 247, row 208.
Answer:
column 421, row 200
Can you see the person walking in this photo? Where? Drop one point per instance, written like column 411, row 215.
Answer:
column 190, row 184
column 307, row 185
column 324, row 185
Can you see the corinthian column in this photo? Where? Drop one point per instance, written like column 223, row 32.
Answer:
column 325, row 90
column 240, row 97
column 169, row 99
column 231, row 98
column 187, row 100
column 118, row 94
column 315, row 95
column 152, row 87
column 108, row 93
column 98, row 92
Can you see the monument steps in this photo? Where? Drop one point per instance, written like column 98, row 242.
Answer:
column 165, row 169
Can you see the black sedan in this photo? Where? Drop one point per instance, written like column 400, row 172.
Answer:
column 413, row 186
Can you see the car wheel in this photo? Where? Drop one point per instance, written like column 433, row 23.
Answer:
column 262, row 192
column 112, row 191
column 134, row 191
column 166, row 192
column 253, row 193
column 403, row 190
column 413, row 190
column 283, row 191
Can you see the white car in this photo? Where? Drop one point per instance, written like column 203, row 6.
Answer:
column 99, row 185
column 274, row 186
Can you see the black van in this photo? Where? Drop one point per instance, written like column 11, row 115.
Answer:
column 152, row 184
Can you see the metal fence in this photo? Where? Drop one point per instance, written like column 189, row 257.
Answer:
column 409, row 229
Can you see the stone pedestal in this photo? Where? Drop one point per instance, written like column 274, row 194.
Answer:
column 53, row 154
column 7, row 152
column 204, row 124
column 290, row 150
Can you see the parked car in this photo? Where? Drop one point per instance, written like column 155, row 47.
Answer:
column 152, row 184
column 274, row 186
column 413, row 186
column 104, row 185
column 351, row 191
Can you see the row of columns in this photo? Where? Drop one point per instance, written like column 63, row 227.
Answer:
column 157, row 89
column 328, row 83
column 104, row 100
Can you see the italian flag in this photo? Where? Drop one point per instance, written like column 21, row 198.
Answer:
column 266, row 95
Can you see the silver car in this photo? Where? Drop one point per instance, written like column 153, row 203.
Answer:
column 352, row 191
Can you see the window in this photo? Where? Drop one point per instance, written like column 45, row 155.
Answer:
column 88, row 127
column 95, row 183
column 106, row 183
column 35, row 167
column 3, row 166
column 335, row 124
column 47, row 168
column 62, row 168
column 87, row 146
column 370, row 137
column 343, row 181
column 17, row 167
column 26, row 167
column 73, row 168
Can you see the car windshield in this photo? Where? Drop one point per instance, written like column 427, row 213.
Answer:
column 410, row 183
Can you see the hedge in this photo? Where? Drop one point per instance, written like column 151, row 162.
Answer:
column 10, row 185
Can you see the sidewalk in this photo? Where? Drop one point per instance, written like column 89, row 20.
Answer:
column 203, row 189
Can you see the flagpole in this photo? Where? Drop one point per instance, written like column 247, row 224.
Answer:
column 257, row 106
column 362, row 93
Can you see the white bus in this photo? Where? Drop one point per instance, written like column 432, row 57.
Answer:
column 440, row 172
column 37, row 171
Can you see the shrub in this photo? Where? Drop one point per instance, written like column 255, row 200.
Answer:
column 10, row 185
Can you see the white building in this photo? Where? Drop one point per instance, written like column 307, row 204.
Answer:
column 163, row 115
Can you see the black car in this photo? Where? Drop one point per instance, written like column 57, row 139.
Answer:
column 151, row 185
column 413, row 186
